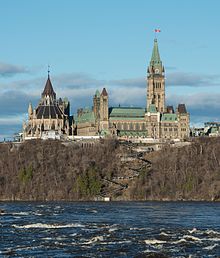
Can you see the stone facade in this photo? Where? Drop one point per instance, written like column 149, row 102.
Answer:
column 156, row 121
column 50, row 119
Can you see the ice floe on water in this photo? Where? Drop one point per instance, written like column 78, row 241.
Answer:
column 51, row 226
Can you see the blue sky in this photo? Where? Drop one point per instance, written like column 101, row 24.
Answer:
column 95, row 44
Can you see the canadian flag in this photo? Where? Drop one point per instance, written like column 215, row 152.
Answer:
column 157, row 30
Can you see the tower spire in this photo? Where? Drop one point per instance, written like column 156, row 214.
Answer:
column 156, row 81
column 155, row 58
column 48, row 70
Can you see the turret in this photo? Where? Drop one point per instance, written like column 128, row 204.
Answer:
column 30, row 111
column 96, row 105
column 104, row 110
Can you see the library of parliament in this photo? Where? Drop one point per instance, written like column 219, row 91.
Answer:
column 156, row 120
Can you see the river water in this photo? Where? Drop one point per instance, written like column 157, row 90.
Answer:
column 111, row 229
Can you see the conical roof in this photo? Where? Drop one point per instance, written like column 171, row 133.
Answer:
column 48, row 89
column 104, row 92
column 155, row 58
column 97, row 93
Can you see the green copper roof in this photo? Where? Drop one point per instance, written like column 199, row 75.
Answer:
column 152, row 108
column 87, row 116
column 97, row 93
column 214, row 130
column 104, row 132
column 133, row 133
column 126, row 112
column 155, row 58
column 169, row 117
column 126, row 118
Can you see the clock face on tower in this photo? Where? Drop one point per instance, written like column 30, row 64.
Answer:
column 157, row 71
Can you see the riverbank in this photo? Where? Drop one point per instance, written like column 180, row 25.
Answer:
column 50, row 171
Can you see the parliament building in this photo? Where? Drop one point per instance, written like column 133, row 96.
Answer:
column 156, row 120
column 51, row 118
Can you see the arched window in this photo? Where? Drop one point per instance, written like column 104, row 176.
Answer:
column 53, row 126
column 125, row 126
column 137, row 126
column 131, row 126
column 119, row 126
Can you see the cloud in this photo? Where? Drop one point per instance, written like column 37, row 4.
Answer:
column 76, row 80
column 132, row 82
column 80, row 88
column 13, row 120
column 192, row 80
column 15, row 102
column 202, row 107
column 8, row 70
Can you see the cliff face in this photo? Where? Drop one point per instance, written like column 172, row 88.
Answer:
column 50, row 170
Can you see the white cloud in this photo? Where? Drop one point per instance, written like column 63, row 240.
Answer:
column 7, row 70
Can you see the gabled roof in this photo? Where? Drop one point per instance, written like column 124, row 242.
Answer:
column 86, row 116
column 123, row 113
column 48, row 89
column 169, row 117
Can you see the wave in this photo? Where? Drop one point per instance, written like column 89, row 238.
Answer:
column 211, row 247
column 140, row 229
column 20, row 213
column 55, row 226
column 182, row 240
column 113, row 229
column 163, row 234
column 116, row 242
column 192, row 238
column 154, row 242
column 212, row 232
column 215, row 239
column 192, row 231
column 94, row 240
column 37, row 214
